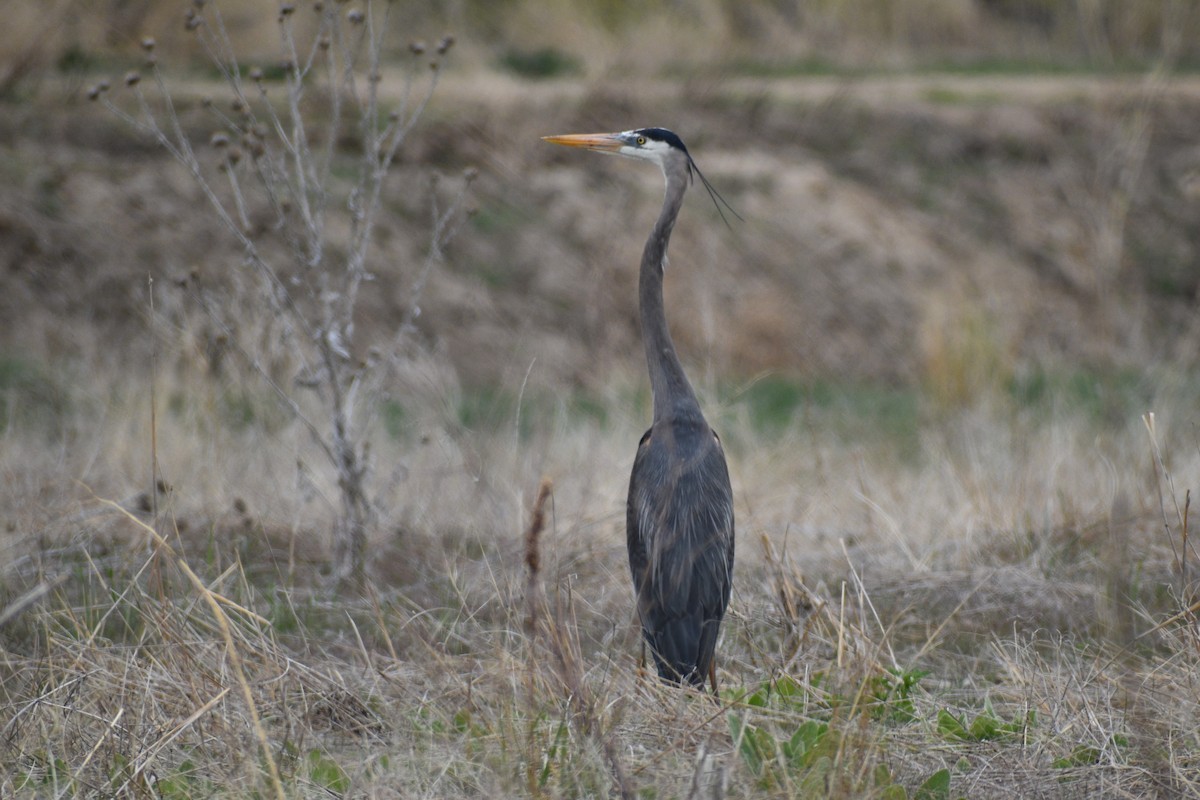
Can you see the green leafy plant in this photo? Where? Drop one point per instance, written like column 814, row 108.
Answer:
column 806, row 757
column 181, row 783
column 1085, row 754
column 891, row 694
column 327, row 773
column 986, row 726
column 768, row 757
column 935, row 787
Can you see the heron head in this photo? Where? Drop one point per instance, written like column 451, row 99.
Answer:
column 657, row 145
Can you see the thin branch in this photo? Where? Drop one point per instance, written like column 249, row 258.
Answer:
column 286, row 399
column 445, row 226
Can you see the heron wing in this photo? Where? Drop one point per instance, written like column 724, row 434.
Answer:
column 680, row 535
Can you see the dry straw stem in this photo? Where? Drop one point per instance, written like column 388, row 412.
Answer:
column 535, row 595
column 1163, row 477
column 854, row 642
column 215, row 602
column 556, row 632
column 29, row 598
column 146, row 759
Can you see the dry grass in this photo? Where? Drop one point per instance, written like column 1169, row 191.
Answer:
column 1013, row 567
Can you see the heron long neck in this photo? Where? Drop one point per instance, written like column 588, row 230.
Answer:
column 673, row 395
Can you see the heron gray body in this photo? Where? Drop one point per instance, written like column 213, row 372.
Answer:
column 679, row 518
column 679, row 531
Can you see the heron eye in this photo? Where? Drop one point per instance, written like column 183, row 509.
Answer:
column 641, row 140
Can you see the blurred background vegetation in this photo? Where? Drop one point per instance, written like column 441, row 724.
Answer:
column 551, row 38
column 980, row 231
column 1058, row 225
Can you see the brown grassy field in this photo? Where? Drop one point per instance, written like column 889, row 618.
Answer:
column 950, row 350
column 992, row 592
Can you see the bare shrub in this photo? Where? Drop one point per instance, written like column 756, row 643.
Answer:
column 305, row 230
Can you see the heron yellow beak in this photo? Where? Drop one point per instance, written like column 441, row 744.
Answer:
column 603, row 142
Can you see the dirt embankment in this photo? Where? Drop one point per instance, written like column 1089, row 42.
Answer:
column 894, row 228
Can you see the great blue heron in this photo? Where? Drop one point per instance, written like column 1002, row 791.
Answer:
column 679, row 519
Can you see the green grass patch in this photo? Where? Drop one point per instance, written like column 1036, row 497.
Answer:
column 1032, row 67
column 945, row 96
column 976, row 66
column 486, row 408
column 776, row 402
column 542, row 63
column 493, row 409
column 29, row 395
column 396, row 419
column 806, row 738
column 235, row 409
column 1097, row 395
column 184, row 782
column 1085, row 755
column 983, row 727
column 497, row 275
column 814, row 66
column 326, row 773
column 849, row 412
column 500, row 216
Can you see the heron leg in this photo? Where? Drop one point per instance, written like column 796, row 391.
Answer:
column 712, row 674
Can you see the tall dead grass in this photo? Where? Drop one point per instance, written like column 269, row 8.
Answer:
column 1018, row 559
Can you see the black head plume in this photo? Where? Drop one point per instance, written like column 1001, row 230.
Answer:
column 672, row 139
column 716, row 197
